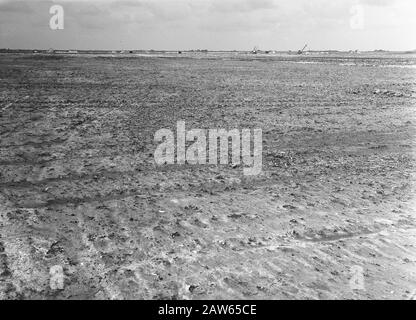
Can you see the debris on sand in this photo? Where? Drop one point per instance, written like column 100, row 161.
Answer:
column 7, row 106
column 389, row 93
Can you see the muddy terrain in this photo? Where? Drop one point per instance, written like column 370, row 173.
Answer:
column 85, row 213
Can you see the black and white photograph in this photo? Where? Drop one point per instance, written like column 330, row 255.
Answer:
column 207, row 150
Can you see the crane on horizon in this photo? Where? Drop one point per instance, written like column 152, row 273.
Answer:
column 303, row 49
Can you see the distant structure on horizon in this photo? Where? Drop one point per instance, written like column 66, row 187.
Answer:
column 303, row 49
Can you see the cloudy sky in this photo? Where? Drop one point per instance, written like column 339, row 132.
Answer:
column 211, row 24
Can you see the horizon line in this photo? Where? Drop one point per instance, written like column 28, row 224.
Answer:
column 204, row 50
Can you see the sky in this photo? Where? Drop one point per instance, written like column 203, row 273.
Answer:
column 211, row 24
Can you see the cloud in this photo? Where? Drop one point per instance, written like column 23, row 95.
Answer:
column 15, row 7
column 241, row 5
column 378, row 3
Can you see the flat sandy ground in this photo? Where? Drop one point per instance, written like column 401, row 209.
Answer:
column 79, row 187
